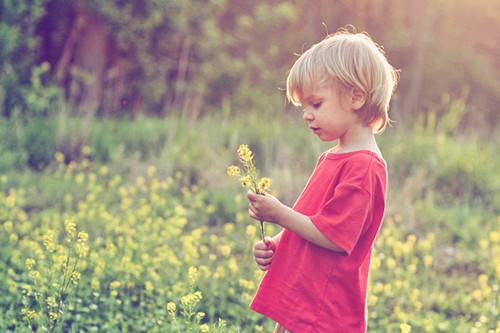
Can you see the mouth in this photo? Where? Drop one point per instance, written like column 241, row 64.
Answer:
column 314, row 129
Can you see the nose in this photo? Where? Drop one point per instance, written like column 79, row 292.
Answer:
column 307, row 114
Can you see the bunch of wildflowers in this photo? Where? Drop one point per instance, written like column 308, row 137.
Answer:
column 53, row 272
column 249, row 179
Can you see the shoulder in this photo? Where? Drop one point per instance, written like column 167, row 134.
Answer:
column 363, row 169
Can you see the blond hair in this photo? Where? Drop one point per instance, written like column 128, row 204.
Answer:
column 353, row 60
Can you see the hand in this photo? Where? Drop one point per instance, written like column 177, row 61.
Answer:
column 264, row 207
column 264, row 252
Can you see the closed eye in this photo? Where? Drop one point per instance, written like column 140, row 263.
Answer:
column 316, row 105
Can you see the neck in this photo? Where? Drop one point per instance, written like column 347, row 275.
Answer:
column 357, row 137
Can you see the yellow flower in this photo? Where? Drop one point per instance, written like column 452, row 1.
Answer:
column 204, row 328
column 30, row 263
column 251, row 230
column 75, row 277
column 104, row 170
column 53, row 315
column 152, row 171
column 228, row 228
column 225, row 250
column 405, row 328
column 8, row 226
column 59, row 157
column 83, row 236
column 245, row 153
column 193, row 274
column 200, row 316
column 28, row 314
column 48, row 241
column 191, row 299
column 427, row 260
column 246, row 181
column 51, row 302
column 95, row 284
column 171, row 308
column 232, row 265
column 70, row 227
column 35, row 275
column 86, row 150
column 82, row 249
column 114, row 286
column 391, row 263
column 233, row 170
column 264, row 184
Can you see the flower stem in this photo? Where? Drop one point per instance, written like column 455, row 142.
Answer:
column 262, row 231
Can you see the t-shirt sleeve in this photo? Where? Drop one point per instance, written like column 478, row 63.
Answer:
column 342, row 218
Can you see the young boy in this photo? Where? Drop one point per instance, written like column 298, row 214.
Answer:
column 318, row 265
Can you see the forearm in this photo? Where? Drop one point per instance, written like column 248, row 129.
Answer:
column 303, row 226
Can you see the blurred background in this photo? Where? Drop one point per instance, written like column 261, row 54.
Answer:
column 130, row 59
column 102, row 100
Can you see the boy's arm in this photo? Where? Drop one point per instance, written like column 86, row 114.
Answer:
column 303, row 226
column 277, row 237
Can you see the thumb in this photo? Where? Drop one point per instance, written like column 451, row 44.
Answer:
column 269, row 243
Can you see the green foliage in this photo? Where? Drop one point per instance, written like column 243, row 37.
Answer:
column 18, row 20
column 40, row 98
column 39, row 142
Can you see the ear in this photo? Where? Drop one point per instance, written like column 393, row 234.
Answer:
column 358, row 98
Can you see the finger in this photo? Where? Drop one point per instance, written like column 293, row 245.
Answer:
column 264, row 268
column 252, row 214
column 263, row 246
column 251, row 196
column 260, row 246
column 263, row 253
column 263, row 262
column 269, row 243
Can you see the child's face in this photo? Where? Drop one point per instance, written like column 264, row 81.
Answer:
column 328, row 113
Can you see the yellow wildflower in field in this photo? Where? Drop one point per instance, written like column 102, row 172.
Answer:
column 75, row 277
column 48, row 241
column 114, row 286
column 200, row 316
column 70, row 227
column 250, row 231
column 83, row 236
column 191, row 299
column 391, row 263
column 30, row 262
column 59, row 157
column 225, row 250
column 427, row 260
column 171, row 308
column 192, row 274
column 204, row 328
column 28, row 314
column 51, row 302
column 405, row 328
column 86, row 150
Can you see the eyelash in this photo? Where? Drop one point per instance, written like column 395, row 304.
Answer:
column 316, row 105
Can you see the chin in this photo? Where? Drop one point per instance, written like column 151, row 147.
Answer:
column 327, row 139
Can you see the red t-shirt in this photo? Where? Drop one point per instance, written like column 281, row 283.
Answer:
column 311, row 289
